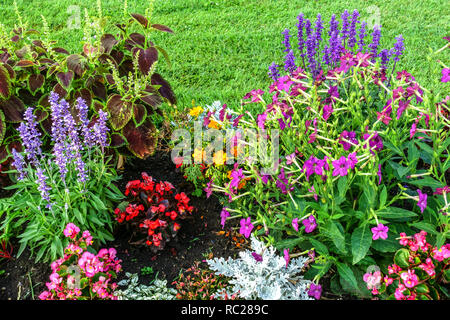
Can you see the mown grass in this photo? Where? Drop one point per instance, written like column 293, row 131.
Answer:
column 221, row 49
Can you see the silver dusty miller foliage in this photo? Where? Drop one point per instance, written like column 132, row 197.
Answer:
column 268, row 279
column 157, row 290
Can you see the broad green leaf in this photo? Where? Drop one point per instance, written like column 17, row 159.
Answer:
column 347, row 275
column 332, row 231
column 395, row 213
column 361, row 241
column 428, row 227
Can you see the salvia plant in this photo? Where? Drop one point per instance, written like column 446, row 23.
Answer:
column 133, row 290
column 72, row 183
column 261, row 273
column 153, row 211
column 81, row 274
column 363, row 157
column 114, row 72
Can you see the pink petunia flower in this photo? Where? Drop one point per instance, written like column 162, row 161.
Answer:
column 380, row 231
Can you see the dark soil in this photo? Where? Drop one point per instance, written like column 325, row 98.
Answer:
column 197, row 236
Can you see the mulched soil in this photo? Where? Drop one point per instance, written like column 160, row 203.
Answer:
column 198, row 235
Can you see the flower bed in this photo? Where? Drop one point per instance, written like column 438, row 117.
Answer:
column 332, row 182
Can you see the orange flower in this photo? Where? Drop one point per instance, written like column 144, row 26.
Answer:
column 214, row 124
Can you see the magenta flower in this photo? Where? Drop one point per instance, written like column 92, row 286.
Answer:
column 327, row 111
column 402, row 105
column 287, row 258
column 380, row 231
column 224, row 214
column 409, row 278
column 315, row 291
column 254, row 95
column 257, row 257
column 422, row 203
column 295, row 224
column 350, row 136
column 208, row 189
column 236, row 120
column 379, row 174
column 246, row 227
column 352, row 160
column 261, row 120
column 413, row 130
column 290, row 158
column 236, row 177
column 340, row 167
column 310, row 224
column 71, row 230
column 445, row 75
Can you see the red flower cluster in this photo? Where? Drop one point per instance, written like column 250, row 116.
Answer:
column 154, row 210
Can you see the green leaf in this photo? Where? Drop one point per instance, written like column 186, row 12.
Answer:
column 401, row 258
column 383, row 196
column 98, row 203
column 319, row 246
column 79, row 216
column 332, row 231
column 395, row 213
column 428, row 227
column 361, row 241
column 427, row 182
column 347, row 275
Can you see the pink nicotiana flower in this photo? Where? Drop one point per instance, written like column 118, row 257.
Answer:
column 315, row 291
column 380, row 231
column 287, row 258
column 422, row 203
column 246, row 227
column 310, row 224
column 254, row 95
column 295, row 224
column 257, row 257
column 445, row 75
column 340, row 167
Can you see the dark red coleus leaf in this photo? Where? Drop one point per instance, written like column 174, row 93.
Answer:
column 3, row 153
column 76, row 63
column 46, row 125
column 117, row 56
column 138, row 38
column 65, row 78
column 165, row 90
column 5, row 83
column 43, row 101
column 61, row 50
column 25, row 63
column 141, row 19
column 12, row 73
column 85, row 94
column 15, row 38
column 120, row 111
column 139, row 114
column 21, row 53
column 99, row 90
column 108, row 42
column 152, row 100
column 161, row 27
column 142, row 140
column 62, row 93
column 13, row 108
column 2, row 126
column 146, row 59
column 38, row 43
column 41, row 115
column 104, row 58
column 117, row 140
column 35, row 82
column 110, row 79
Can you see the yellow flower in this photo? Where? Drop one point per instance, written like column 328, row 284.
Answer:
column 198, row 155
column 219, row 158
column 196, row 111
column 214, row 124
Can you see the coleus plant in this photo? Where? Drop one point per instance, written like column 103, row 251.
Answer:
column 113, row 72
column 153, row 211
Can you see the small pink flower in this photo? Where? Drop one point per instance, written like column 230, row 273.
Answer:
column 71, row 230
column 372, row 280
column 380, row 231
column 404, row 239
column 295, row 224
column 286, row 256
column 409, row 278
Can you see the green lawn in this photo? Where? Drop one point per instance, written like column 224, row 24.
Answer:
column 221, row 49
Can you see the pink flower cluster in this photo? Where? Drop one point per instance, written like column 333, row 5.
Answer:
column 425, row 263
column 92, row 276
